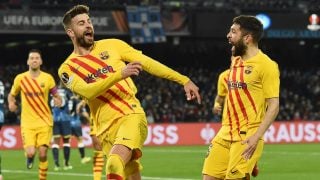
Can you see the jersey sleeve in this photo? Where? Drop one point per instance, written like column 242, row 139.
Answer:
column 93, row 128
column 222, row 83
column 52, row 85
column 16, row 88
column 150, row 65
column 88, row 90
column 271, row 80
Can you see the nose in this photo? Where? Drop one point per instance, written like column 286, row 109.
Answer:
column 228, row 35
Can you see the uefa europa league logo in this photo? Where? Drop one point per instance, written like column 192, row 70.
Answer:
column 314, row 21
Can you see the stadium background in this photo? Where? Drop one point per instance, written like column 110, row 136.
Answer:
column 195, row 45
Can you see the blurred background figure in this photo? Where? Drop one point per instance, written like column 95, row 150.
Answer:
column 61, row 129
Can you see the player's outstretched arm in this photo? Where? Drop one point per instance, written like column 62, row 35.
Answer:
column 192, row 91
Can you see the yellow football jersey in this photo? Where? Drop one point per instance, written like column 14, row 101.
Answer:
column 250, row 83
column 34, row 92
column 97, row 77
column 222, row 87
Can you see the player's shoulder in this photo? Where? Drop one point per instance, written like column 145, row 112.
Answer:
column 112, row 42
column 21, row 75
column 46, row 75
column 266, row 60
column 63, row 67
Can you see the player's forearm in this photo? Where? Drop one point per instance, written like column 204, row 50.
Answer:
column 92, row 90
column 219, row 100
column 11, row 99
column 271, row 114
column 157, row 69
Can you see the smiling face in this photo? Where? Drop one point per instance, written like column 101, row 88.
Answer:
column 238, row 40
column 34, row 61
column 81, row 30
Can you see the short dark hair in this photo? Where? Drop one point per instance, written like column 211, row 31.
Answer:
column 74, row 11
column 35, row 51
column 250, row 25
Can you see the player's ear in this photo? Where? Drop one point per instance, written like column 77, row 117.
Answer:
column 70, row 32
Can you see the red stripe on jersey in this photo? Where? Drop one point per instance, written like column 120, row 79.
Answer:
column 96, row 60
column 242, row 108
column 35, row 82
column 81, row 75
column 119, row 98
column 122, row 89
column 230, row 122
column 232, row 101
column 33, row 89
column 104, row 99
column 27, row 91
column 87, row 67
column 31, row 105
column 246, row 91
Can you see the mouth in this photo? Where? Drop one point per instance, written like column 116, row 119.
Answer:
column 88, row 34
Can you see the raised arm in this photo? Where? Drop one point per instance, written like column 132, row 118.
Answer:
column 90, row 90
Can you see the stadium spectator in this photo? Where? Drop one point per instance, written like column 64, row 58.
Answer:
column 110, row 91
column 34, row 87
column 253, row 85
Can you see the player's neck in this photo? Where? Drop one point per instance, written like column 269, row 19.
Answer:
column 34, row 73
column 251, row 52
column 82, row 50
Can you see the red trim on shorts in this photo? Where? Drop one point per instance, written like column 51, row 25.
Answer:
column 114, row 177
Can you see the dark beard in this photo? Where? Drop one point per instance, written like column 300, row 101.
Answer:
column 84, row 43
column 239, row 48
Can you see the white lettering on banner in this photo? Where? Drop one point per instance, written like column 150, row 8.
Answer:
column 293, row 132
column 99, row 21
column 296, row 135
column 270, row 134
column 207, row 133
column 16, row 20
column 46, row 20
column 9, row 138
column 160, row 134
column 283, row 134
column 318, row 131
column 173, row 137
column 87, row 141
column 310, row 132
column 157, row 131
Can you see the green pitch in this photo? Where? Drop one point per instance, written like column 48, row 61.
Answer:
column 279, row 162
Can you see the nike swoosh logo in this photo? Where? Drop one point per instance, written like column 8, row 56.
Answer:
column 125, row 139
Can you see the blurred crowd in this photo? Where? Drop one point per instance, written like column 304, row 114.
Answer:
column 165, row 101
column 218, row 5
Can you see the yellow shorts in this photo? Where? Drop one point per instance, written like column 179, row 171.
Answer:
column 130, row 131
column 36, row 136
column 224, row 159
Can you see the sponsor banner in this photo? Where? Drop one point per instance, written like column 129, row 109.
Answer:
column 107, row 22
column 50, row 22
column 276, row 25
column 190, row 134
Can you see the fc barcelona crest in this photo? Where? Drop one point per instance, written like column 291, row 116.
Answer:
column 248, row 69
column 42, row 84
column 104, row 55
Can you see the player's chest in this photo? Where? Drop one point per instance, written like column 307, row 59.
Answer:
column 243, row 76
